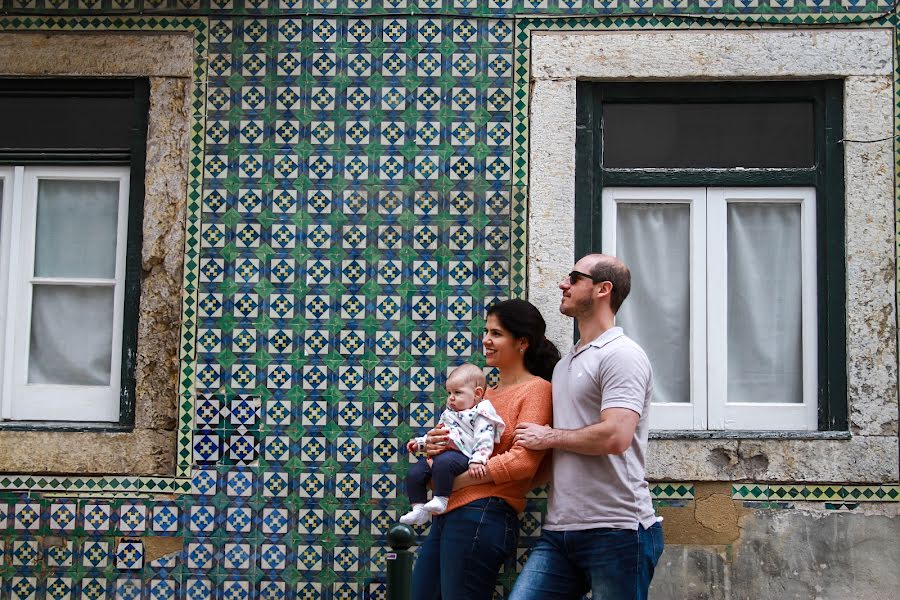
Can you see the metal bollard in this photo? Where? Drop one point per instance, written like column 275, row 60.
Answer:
column 399, row 562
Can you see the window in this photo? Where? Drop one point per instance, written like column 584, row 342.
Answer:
column 71, row 185
column 725, row 199
column 721, row 272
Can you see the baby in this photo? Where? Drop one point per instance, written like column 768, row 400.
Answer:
column 474, row 429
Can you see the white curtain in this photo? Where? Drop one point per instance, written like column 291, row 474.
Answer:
column 76, row 229
column 654, row 241
column 765, row 351
column 71, row 324
column 71, row 335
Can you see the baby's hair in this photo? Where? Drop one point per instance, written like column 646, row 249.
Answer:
column 468, row 373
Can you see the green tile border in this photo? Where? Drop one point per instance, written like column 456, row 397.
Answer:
column 816, row 492
column 180, row 483
column 94, row 485
column 672, row 490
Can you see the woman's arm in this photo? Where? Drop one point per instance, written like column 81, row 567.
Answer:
column 465, row 480
column 517, row 462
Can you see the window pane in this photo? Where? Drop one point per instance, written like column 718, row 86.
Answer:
column 71, row 335
column 76, row 229
column 772, row 134
column 765, row 346
column 654, row 241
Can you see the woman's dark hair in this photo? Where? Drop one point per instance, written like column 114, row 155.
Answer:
column 523, row 320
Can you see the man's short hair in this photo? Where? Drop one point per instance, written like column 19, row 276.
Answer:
column 613, row 270
column 468, row 373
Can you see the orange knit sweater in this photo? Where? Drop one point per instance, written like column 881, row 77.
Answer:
column 512, row 467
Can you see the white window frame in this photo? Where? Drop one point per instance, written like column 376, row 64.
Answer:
column 748, row 416
column 681, row 415
column 9, row 181
column 23, row 401
column 709, row 407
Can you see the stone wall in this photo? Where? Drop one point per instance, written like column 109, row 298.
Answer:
column 720, row 548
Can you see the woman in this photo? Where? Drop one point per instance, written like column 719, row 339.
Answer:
column 469, row 543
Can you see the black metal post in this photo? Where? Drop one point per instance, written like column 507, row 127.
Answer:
column 399, row 562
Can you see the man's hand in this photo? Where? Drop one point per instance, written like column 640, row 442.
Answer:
column 436, row 440
column 533, row 436
column 477, row 470
column 411, row 446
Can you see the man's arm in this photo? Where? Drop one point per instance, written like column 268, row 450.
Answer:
column 611, row 435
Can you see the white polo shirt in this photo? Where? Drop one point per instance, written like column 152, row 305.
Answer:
column 607, row 490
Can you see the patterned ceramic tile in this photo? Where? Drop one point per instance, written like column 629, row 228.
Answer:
column 357, row 195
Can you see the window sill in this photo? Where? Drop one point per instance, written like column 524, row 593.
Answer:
column 749, row 435
column 772, row 456
column 141, row 452
column 65, row 426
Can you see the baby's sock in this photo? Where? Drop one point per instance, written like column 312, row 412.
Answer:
column 438, row 504
column 417, row 516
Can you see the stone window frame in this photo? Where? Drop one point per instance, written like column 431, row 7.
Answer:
column 167, row 60
column 863, row 59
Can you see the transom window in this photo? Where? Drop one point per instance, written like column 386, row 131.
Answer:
column 726, row 202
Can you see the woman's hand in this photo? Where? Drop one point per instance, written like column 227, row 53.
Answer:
column 412, row 446
column 477, row 470
column 436, row 440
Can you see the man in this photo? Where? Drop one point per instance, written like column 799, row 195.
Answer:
column 600, row 533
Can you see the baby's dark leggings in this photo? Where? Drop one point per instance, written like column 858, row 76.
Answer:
column 444, row 468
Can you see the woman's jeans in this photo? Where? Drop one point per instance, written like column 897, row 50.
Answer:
column 464, row 551
column 613, row 564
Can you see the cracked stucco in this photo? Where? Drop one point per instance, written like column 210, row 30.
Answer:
column 719, row 548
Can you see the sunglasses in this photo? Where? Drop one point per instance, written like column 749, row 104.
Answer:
column 575, row 275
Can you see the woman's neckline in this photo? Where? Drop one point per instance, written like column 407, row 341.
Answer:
column 515, row 385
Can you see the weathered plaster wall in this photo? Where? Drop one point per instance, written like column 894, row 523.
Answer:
column 162, row 254
column 863, row 59
column 871, row 269
column 167, row 60
column 719, row 548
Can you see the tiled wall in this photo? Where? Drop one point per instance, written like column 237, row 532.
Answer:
column 476, row 7
column 357, row 197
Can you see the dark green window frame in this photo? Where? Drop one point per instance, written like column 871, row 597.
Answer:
column 826, row 176
column 101, row 138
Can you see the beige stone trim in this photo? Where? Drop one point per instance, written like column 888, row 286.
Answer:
column 96, row 54
column 167, row 59
column 863, row 59
column 766, row 54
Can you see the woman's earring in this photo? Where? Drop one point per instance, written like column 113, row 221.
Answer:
column 521, row 350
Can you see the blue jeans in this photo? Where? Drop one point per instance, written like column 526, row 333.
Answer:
column 462, row 555
column 613, row 564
